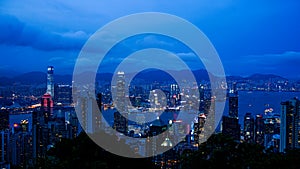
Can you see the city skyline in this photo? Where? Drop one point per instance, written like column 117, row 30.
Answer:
column 256, row 37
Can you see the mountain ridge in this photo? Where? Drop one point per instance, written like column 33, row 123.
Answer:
column 37, row 77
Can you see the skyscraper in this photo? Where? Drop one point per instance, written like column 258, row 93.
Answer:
column 4, row 119
column 233, row 106
column 120, row 92
column 63, row 94
column 50, row 81
column 289, row 125
column 249, row 128
column 4, row 146
column 231, row 127
column 259, row 129
column 230, row 124
column 120, row 123
column 90, row 113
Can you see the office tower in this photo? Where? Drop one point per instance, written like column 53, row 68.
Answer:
column 231, row 127
column 99, row 100
column 47, row 101
column 47, row 106
column 40, row 135
column 259, row 129
column 4, row 119
column 234, row 88
column 120, row 92
column 230, row 124
column 63, row 94
column 120, row 123
column 233, row 106
column 21, row 145
column 4, row 146
column 249, row 128
column 157, row 100
column 201, row 96
column 289, row 126
column 199, row 128
column 50, row 81
column 271, row 130
column 174, row 94
column 90, row 114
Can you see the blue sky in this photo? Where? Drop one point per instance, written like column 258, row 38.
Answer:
column 250, row 36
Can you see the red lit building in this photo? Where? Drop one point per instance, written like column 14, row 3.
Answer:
column 47, row 101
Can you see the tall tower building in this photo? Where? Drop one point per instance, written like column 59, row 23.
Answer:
column 120, row 92
column 63, row 94
column 50, row 82
column 249, row 128
column 4, row 146
column 289, row 125
column 230, row 124
column 259, row 129
column 90, row 116
column 120, row 122
column 231, row 127
column 233, row 106
column 174, row 94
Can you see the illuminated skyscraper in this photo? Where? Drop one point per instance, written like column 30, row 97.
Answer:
column 233, row 106
column 175, row 95
column 259, row 129
column 4, row 146
column 50, row 81
column 230, row 124
column 90, row 113
column 120, row 123
column 271, row 130
column 249, row 128
column 63, row 94
column 120, row 92
column 231, row 127
column 289, row 125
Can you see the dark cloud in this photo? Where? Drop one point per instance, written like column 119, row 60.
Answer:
column 15, row 32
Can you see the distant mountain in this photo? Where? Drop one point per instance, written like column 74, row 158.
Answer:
column 235, row 78
column 149, row 75
column 35, row 78
column 258, row 77
column 30, row 78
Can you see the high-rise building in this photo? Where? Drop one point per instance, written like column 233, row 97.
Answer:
column 199, row 128
column 230, row 124
column 4, row 146
column 63, row 94
column 120, row 123
column 120, row 92
column 174, row 95
column 249, row 128
column 90, row 116
column 271, row 130
column 289, row 125
column 233, row 106
column 47, row 101
column 231, row 127
column 50, row 81
column 259, row 129
column 4, row 119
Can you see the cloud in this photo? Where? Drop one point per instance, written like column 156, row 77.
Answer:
column 15, row 32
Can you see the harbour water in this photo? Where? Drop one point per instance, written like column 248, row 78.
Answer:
column 254, row 102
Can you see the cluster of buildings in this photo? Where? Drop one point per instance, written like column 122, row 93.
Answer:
column 27, row 133
column 276, row 131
